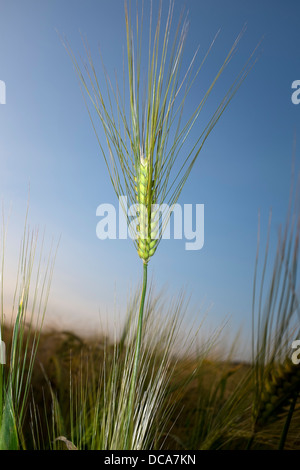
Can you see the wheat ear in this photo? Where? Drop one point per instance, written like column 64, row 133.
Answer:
column 281, row 386
column 148, row 225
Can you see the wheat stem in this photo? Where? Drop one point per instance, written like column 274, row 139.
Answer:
column 250, row 442
column 129, row 431
column 287, row 423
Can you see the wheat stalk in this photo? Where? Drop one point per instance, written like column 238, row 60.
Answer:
column 27, row 316
column 142, row 161
column 276, row 378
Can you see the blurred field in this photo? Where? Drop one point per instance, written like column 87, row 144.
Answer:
column 200, row 397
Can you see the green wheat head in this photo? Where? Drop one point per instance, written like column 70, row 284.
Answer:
column 146, row 154
column 281, row 385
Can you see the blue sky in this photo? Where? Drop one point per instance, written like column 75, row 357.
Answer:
column 47, row 141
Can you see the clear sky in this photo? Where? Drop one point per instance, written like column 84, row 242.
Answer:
column 47, row 141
